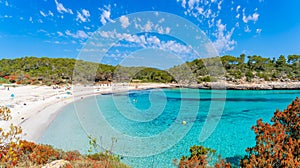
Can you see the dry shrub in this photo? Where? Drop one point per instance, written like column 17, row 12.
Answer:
column 9, row 140
column 277, row 144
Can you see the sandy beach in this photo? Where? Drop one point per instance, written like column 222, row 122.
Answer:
column 35, row 107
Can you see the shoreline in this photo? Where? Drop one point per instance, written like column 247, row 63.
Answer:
column 260, row 85
column 34, row 108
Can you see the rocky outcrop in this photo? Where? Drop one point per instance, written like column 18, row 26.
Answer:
column 264, row 85
column 57, row 164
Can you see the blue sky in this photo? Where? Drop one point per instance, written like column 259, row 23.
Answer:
column 61, row 28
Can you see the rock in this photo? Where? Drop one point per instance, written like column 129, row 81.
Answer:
column 264, row 85
column 57, row 164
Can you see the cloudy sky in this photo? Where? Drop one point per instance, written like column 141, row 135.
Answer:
column 61, row 28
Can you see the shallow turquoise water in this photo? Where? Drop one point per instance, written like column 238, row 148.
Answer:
column 148, row 123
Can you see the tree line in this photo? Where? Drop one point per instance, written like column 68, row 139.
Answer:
column 32, row 70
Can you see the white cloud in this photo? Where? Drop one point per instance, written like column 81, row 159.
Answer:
column 50, row 13
column 42, row 30
column 30, row 19
column 84, row 16
column 86, row 28
column 80, row 17
column 60, row 33
column 258, row 31
column 161, row 20
column 153, row 40
column 55, row 42
column 238, row 8
column 183, row 3
column 79, row 34
column 247, row 29
column 61, row 9
column 105, row 16
column 86, row 13
column 253, row 17
column 191, row 3
column 168, row 29
column 43, row 14
column 148, row 26
column 7, row 16
column 207, row 12
column 223, row 40
column 6, row 3
column 200, row 10
column 147, row 42
column 220, row 5
column 175, row 47
column 124, row 21
column 221, row 27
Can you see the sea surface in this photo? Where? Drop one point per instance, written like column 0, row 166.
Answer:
column 151, row 128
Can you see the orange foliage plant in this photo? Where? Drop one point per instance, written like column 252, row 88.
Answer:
column 9, row 140
column 277, row 144
column 200, row 157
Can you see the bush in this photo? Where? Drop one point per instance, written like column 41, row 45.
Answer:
column 32, row 154
column 39, row 154
column 20, row 153
column 264, row 76
column 249, row 75
column 277, row 144
column 203, row 79
column 9, row 140
column 104, row 156
column 237, row 74
column 207, row 79
column 200, row 157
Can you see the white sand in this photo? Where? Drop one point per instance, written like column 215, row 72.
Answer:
column 35, row 107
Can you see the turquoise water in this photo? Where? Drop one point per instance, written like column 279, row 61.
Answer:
column 146, row 127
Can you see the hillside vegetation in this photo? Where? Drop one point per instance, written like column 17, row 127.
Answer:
column 32, row 70
column 255, row 68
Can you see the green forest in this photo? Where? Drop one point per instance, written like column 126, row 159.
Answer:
column 48, row 71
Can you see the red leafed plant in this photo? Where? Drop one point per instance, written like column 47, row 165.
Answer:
column 39, row 154
column 277, row 144
column 200, row 157
column 9, row 140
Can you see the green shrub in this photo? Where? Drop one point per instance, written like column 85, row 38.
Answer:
column 249, row 76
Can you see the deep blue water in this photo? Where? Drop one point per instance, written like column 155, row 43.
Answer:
column 147, row 127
